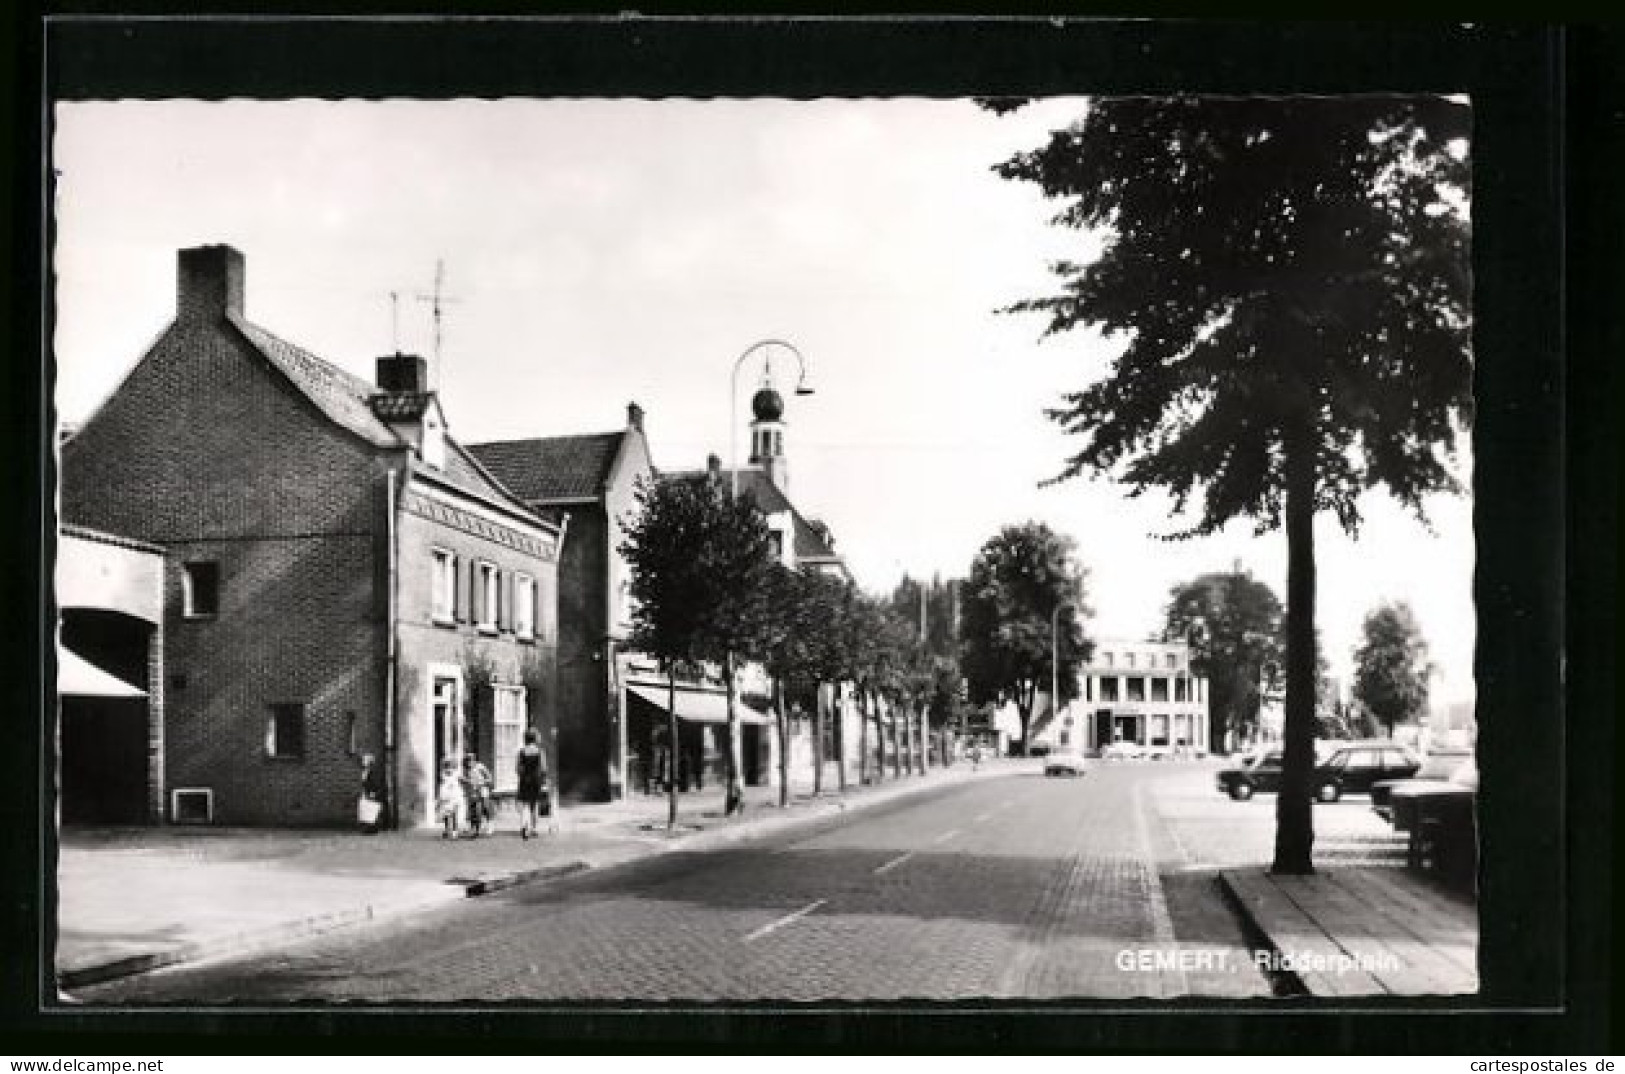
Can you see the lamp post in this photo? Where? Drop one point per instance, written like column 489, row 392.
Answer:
column 802, row 388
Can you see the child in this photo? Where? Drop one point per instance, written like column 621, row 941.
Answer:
column 450, row 800
column 477, row 794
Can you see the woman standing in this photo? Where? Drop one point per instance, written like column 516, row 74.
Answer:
column 533, row 791
column 370, row 810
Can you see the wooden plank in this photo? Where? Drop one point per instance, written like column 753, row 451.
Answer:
column 1435, row 919
column 1297, row 935
column 1398, row 959
column 1455, row 949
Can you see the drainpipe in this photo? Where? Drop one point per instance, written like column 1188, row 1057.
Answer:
column 390, row 661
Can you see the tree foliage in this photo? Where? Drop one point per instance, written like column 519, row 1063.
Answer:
column 1287, row 283
column 702, row 585
column 1233, row 623
column 1391, row 666
column 1267, row 262
column 1018, row 581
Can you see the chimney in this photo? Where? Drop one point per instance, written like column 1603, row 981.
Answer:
column 209, row 283
column 403, row 373
column 634, row 417
column 713, row 467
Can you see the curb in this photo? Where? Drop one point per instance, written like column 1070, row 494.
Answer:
column 282, row 933
column 270, row 936
column 1284, row 982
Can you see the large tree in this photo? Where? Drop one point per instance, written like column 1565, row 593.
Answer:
column 1024, row 581
column 702, row 585
column 1391, row 666
column 1233, row 623
column 1286, row 281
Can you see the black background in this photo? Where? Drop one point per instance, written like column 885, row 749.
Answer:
column 1547, row 224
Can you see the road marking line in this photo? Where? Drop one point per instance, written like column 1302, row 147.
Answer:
column 945, row 836
column 785, row 920
column 894, row 863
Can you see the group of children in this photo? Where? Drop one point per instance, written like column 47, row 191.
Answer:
column 464, row 800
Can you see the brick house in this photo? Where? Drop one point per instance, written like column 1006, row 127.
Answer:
column 587, row 481
column 340, row 576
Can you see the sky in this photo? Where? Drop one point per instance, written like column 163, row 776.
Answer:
column 598, row 252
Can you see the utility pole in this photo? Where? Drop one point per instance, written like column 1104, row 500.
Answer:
column 438, row 300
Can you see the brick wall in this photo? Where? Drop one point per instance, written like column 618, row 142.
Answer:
column 206, row 451
column 583, row 673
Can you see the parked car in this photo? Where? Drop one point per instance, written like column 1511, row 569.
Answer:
column 1123, row 750
column 1065, row 762
column 1258, row 771
column 1436, row 766
column 1440, row 817
column 1348, row 769
column 1405, row 796
column 1354, row 769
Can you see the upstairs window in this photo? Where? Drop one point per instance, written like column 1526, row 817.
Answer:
column 285, row 732
column 200, row 590
column 524, row 606
column 1172, row 661
column 1136, row 688
column 1159, row 689
column 487, row 595
column 443, row 601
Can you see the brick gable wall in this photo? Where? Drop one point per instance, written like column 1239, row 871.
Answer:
column 205, row 450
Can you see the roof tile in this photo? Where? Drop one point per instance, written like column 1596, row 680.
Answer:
column 554, row 468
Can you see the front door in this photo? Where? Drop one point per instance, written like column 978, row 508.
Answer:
column 448, row 723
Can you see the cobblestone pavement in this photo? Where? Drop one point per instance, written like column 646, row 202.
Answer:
column 1009, row 888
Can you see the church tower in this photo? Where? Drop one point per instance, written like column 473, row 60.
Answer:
column 767, row 432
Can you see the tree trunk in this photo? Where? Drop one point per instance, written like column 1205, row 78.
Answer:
column 818, row 737
column 863, row 740
column 783, row 722
column 734, row 799
column 840, row 741
column 1294, row 818
column 896, row 745
column 908, row 740
column 671, row 750
column 880, row 737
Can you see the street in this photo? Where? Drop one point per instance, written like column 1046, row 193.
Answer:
column 1012, row 887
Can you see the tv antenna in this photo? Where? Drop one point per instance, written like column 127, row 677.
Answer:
column 438, row 300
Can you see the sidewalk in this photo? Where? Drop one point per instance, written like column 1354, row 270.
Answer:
column 131, row 900
column 1361, row 930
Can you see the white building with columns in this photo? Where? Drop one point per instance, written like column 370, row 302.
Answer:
column 1142, row 692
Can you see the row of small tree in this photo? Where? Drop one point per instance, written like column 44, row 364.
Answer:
column 709, row 591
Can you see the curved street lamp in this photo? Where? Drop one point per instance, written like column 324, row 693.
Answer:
column 802, row 388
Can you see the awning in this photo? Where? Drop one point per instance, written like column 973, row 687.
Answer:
column 699, row 706
column 78, row 677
